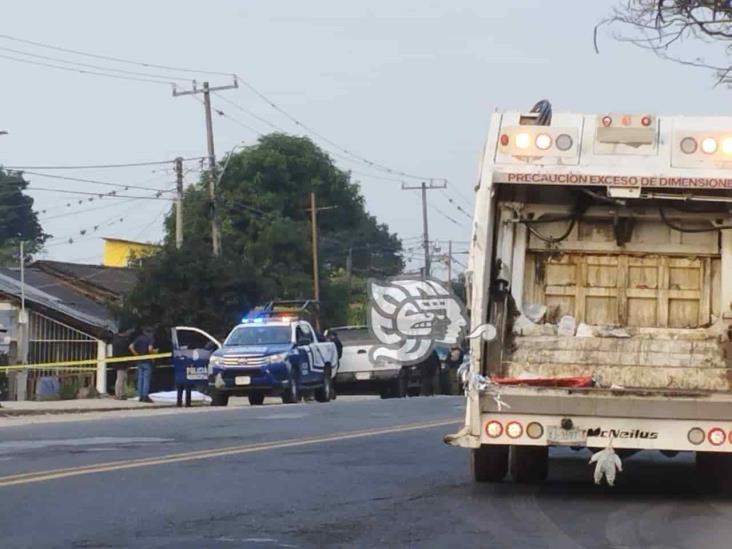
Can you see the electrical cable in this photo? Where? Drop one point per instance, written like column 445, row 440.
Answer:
column 109, row 57
column 685, row 230
column 103, row 166
column 94, row 181
column 111, row 194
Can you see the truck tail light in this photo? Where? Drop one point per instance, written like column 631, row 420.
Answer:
column 543, row 141
column 514, row 429
column 534, row 430
column 607, row 121
column 696, row 436
column 709, row 145
column 564, row 142
column 646, row 120
column 504, row 140
column 716, row 436
column 493, row 429
column 688, row 145
column 523, row 141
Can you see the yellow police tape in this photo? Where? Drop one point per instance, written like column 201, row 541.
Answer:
column 74, row 363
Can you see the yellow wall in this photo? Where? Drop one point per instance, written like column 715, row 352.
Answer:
column 117, row 253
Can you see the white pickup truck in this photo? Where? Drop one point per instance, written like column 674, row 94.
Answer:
column 358, row 374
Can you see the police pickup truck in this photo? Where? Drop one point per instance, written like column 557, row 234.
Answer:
column 268, row 355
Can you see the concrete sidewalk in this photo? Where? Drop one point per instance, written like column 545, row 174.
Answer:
column 77, row 406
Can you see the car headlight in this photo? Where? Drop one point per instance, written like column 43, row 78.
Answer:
column 279, row 357
column 216, row 361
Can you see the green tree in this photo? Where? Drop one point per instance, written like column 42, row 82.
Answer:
column 190, row 286
column 262, row 203
column 18, row 221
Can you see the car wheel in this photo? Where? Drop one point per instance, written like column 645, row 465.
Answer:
column 322, row 394
column 218, row 398
column 256, row 399
column 292, row 393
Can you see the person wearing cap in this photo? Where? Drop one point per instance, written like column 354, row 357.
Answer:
column 144, row 345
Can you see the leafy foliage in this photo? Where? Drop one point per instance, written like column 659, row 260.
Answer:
column 18, row 221
column 263, row 207
column 669, row 27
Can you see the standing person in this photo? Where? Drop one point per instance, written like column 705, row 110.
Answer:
column 120, row 347
column 429, row 368
column 454, row 360
column 332, row 336
column 144, row 345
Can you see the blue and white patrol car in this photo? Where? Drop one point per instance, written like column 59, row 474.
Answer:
column 269, row 355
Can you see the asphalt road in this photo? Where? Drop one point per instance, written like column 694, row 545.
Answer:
column 351, row 473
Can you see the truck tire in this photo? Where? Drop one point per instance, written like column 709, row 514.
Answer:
column 218, row 398
column 256, row 399
column 715, row 471
column 292, row 394
column 529, row 464
column 322, row 394
column 489, row 463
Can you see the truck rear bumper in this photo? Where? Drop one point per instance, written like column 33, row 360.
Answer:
column 599, row 432
column 641, row 420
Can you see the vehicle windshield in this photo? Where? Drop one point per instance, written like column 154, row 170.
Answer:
column 357, row 336
column 258, row 335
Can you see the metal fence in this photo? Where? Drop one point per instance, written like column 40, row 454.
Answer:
column 53, row 341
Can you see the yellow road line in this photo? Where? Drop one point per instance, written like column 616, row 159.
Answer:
column 53, row 474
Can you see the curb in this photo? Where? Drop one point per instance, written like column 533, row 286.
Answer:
column 6, row 412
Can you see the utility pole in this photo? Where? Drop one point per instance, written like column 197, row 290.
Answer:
column 449, row 264
column 21, row 378
column 316, row 277
column 314, row 235
column 178, row 202
column 425, row 229
column 206, row 91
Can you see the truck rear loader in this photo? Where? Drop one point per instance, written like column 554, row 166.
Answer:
column 602, row 254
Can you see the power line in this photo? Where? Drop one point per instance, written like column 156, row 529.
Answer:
column 309, row 129
column 109, row 57
column 94, row 181
column 102, row 166
column 250, row 113
column 84, row 71
column 91, row 66
column 111, row 194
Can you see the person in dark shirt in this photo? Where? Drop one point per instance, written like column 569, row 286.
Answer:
column 120, row 347
column 429, row 368
column 144, row 345
column 330, row 335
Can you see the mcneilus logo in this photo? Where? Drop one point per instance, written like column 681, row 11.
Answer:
column 599, row 432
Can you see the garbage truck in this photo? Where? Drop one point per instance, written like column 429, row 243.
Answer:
column 601, row 253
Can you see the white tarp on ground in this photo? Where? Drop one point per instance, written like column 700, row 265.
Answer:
column 165, row 397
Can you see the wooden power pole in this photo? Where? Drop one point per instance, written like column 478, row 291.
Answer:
column 206, row 91
column 316, row 275
column 424, row 187
column 178, row 202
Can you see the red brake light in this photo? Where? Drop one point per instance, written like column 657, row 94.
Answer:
column 626, row 120
column 514, row 429
column 716, row 436
column 646, row 120
column 607, row 121
column 504, row 140
column 493, row 429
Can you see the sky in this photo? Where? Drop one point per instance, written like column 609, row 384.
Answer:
column 406, row 84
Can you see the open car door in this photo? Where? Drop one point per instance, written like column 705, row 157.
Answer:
column 192, row 350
